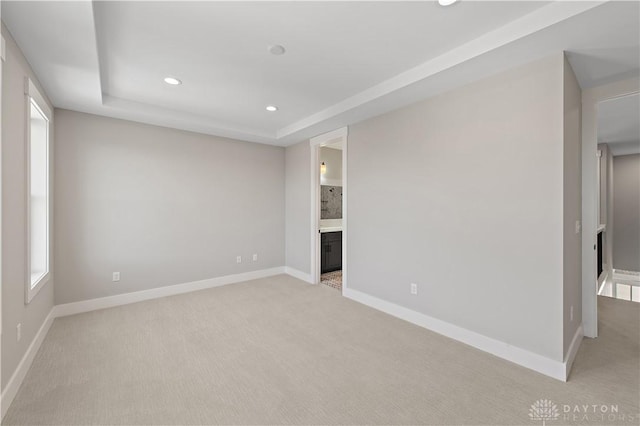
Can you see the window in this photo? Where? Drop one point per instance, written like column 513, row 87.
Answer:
column 38, row 200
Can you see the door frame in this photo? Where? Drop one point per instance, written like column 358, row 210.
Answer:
column 338, row 135
column 590, row 190
column 2, row 59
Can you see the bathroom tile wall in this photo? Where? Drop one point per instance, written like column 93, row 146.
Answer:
column 330, row 202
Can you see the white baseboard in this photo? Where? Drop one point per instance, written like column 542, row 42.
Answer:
column 155, row 293
column 66, row 309
column 533, row 361
column 623, row 275
column 573, row 350
column 555, row 369
column 298, row 274
column 11, row 389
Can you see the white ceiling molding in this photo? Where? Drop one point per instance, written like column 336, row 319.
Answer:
column 159, row 116
column 82, row 54
column 335, row 136
column 61, row 51
column 527, row 25
column 102, row 60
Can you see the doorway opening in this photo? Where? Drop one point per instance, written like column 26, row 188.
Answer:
column 328, row 209
column 331, row 195
column 618, row 243
column 595, row 266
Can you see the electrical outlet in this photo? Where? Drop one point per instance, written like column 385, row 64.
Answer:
column 238, row 259
column 116, row 276
column 255, row 257
column 414, row 288
column 571, row 313
column 19, row 332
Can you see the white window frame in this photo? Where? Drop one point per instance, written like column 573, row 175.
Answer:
column 33, row 95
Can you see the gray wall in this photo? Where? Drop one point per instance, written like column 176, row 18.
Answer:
column 472, row 183
column 572, row 206
column 626, row 212
column 333, row 160
column 602, row 195
column 606, row 202
column 298, row 207
column 160, row 206
column 14, row 220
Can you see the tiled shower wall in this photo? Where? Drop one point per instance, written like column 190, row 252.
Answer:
column 330, row 202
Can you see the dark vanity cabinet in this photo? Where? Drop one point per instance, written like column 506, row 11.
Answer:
column 331, row 255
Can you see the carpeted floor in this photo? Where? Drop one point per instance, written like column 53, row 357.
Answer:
column 332, row 279
column 278, row 351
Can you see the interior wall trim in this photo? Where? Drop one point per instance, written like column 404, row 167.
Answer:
column 11, row 390
column 298, row 274
column 155, row 293
column 13, row 385
column 541, row 364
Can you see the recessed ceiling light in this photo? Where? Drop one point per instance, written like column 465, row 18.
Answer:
column 172, row 80
column 271, row 108
column 446, row 2
column 276, row 49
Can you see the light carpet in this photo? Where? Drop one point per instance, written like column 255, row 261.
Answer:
column 278, row 351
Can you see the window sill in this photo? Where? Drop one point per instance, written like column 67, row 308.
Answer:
column 31, row 292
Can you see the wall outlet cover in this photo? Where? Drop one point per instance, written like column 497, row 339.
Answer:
column 571, row 313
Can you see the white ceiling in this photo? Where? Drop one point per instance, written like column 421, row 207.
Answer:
column 619, row 124
column 345, row 61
